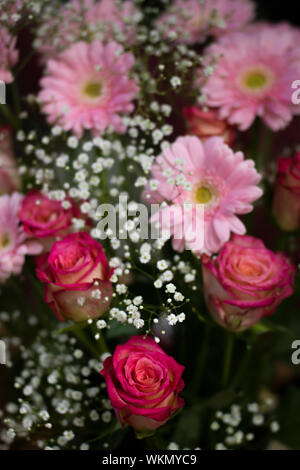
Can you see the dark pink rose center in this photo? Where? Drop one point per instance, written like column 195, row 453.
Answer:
column 248, row 265
column 45, row 215
column 290, row 173
column 145, row 373
column 70, row 258
column 295, row 170
column 249, row 268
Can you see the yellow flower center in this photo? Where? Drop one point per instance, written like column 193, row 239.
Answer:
column 4, row 240
column 255, row 80
column 93, row 89
column 198, row 22
column 203, row 195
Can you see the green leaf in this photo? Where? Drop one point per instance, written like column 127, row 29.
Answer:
column 118, row 329
column 112, row 428
column 144, row 434
column 189, row 426
column 221, row 399
column 72, row 328
column 267, row 327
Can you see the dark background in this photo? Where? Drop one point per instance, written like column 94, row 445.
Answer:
column 279, row 10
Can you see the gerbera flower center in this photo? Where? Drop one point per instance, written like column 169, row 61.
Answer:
column 208, row 190
column 199, row 22
column 203, row 195
column 93, row 89
column 4, row 241
column 256, row 79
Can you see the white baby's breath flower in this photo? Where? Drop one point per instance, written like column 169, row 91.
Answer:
column 171, row 288
column 162, row 265
column 181, row 317
column 175, row 82
column 158, row 283
column 172, row 319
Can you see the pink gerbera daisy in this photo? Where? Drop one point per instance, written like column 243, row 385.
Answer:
column 253, row 77
column 194, row 20
column 192, row 172
column 289, row 33
column 14, row 244
column 88, row 87
column 8, row 55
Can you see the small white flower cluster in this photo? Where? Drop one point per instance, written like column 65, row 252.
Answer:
column 80, row 161
column 60, row 391
column 175, row 446
column 11, row 12
column 237, row 426
column 174, row 319
column 131, row 313
column 60, row 26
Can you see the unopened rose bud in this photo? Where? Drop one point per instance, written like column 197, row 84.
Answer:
column 286, row 202
column 206, row 124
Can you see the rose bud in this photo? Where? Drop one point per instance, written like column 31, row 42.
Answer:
column 286, row 202
column 206, row 124
column 77, row 278
column 46, row 219
column 9, row 176
column 245, row 282
column 143, row 383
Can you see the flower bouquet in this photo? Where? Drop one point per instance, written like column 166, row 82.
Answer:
column 149, row 226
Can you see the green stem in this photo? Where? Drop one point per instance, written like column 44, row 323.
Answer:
column 24, row 63
column 9, row 115
column 86, row 341
column 16, row 100
column 265, row 145
column 261, row 144
column 102, row 344
column 115, row 426
column 243, row 367
column 227, row 359
column 200, row 363
column 255, row 139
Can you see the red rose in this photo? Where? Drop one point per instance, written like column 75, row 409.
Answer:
column 77, row 278
column 143, row 383
column 46, row 219
column 245, row 282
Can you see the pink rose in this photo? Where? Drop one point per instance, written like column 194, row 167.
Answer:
column 14, row 243
column 245, row 282
column 9, row 176
column 46, row 219
column 286, row 203
column 206, row 124
column 77, row 278
column 143, row 383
